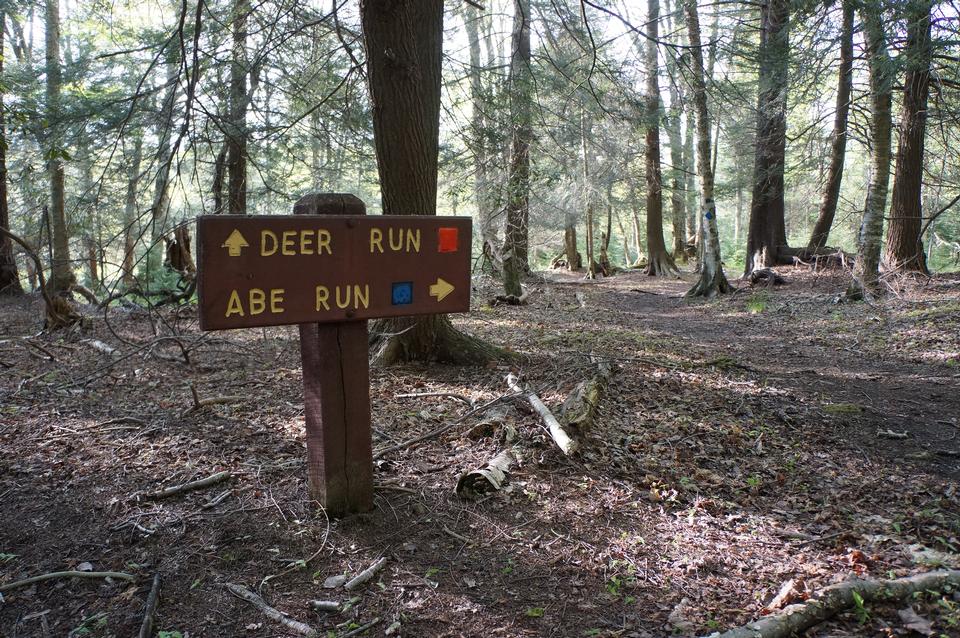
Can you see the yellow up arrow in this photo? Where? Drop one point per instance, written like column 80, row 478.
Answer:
column 440, row 289
column 235, row 242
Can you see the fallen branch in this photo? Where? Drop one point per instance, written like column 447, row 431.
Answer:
column 366, row 574
column 273, row 614
column 146, row 627
column 443, row 428
column 100, row 346
column 69, row 574
column 451, row 395
column 362, row 628
column 193, row 485
column 892, row 434
column 325, row 605
column 567, row 445
column 199, row 403
column 795, row 619
column 490, row 478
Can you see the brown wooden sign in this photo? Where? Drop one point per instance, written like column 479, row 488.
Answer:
column 273, row 270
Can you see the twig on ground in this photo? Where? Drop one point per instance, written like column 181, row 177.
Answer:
column 443, row 428
column 68, row 574
column 273, row 614
column 460, row 397
column 366, row 574
column 199, row 403
column 216, row 500
column 146, row 627
column 362, row 628
column 325, row 605
column 193, row 485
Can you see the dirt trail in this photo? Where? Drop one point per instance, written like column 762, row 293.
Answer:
column 736, row 448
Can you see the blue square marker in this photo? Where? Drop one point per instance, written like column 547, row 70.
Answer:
column 402, row 293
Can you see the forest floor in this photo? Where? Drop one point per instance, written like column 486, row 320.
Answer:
column 743, row 442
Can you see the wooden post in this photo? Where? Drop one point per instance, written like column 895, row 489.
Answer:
column 336, row 393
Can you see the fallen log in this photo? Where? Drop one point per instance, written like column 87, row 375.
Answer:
column 580, row 408
column 490, row 478
column 273, row 614
column 566, row 444
column 795, row 619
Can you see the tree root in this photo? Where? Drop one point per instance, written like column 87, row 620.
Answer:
column 710, row 287
column 430, row 338
column 831, row 600
column 661, row 265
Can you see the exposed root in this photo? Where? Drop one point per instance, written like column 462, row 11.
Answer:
column 661, row 265
column 430, row 338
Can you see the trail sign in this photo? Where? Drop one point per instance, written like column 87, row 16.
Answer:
column 271, row 270
column 329, row 268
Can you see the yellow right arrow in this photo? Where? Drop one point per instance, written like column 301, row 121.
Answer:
column 235, row 243
column 440, row 289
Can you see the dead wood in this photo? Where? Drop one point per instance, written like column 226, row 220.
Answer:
column 366, row 574
column 193, row 485
column 443, row 428
column 490, row 478
column 146, row 627
column 566, row 444
column 766, row 277
column 68, row 574
column 580, row 408
column 795, row 619
column 100, row 346
column 325, row 605
column 86, row 293
column 273, row 614
column 199, row 403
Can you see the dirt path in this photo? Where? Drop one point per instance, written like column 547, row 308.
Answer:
column 737, row 448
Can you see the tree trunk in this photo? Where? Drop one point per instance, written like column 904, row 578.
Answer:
column 866, row 271
column 570, row 242
column 161, row 194
column 480, row 124
column 767, row 232
column 659, row 261
column 712, row 279
column 587, row 193
column 9, row 276
column 677, row 202
column 838, row 144
column 61, row 269
column 904, row 244
column 237, row 138
column 690, row 170
column 404, row 40
column 130, row 215
column 515, row 261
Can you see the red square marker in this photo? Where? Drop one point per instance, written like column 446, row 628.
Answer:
column 447, row 240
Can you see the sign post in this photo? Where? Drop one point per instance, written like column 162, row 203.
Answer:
column 329, row 268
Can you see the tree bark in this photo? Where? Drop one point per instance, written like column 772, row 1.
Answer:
column 62, row 275
column 237, row 139
column 690, row 170
column 515, row 260
column 677, row 202
column 9, row 276
column 904, row 250
column 867, row 269
column 404, row 40
column 659, row 261
column 838, row 144
column 712, row 279
column 767, row 232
